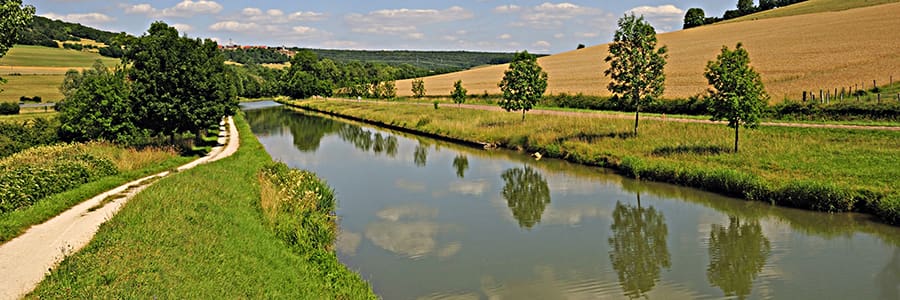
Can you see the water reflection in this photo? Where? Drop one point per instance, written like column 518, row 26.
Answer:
column 420, row 156
column 461, row 163
column 308, row 131
column 526, row 194
column 889, row 278
column 639, row 249
column 737, row 254
column 410, row 231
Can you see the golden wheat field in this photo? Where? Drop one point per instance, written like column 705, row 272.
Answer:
column 807, row 52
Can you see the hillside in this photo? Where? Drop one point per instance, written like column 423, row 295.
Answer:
column 38, row 71
column 809, row 52
column 811, row 7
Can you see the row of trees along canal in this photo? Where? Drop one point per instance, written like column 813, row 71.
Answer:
column 636, row 69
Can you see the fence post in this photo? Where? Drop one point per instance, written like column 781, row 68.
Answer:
column 879, row 98
column 821, row 96
column 804, row 96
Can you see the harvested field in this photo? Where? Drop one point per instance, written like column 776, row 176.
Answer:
column 807, row 52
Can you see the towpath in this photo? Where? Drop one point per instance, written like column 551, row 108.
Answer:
column 25, row 260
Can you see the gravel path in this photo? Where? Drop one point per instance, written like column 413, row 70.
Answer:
column 25, row 260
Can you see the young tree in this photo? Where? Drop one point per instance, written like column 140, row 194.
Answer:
column 635, row 65
column 523, row 83
column 738, row 94
column 418, row 88
column 694, row 17
column 459, row 93
column 12, row 17
column 178, row 84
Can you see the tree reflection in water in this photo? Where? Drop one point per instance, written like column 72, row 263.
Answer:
column 308, row 131
column 737, row 254
column 420, row 157
column 889, row 278
column 639, row 250
column 527, row 195
column 461, row 163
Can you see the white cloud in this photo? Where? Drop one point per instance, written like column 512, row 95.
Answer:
column 88, row 18
column 505, row 36
column 251, row 12
column 234, row 26
column 663, row 17
column 416, row 35
column 397, row 21
column 183, row 27
column 186, row 8
column 276, row 16
column 507, row 8
column 276, row 13
column 542, row 44
column 555, row 15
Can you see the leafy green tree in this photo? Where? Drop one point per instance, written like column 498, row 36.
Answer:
column 461, row 163
column 418, row 88
column 178, row 84
column 738, row 94
column 527, row 195
column 746, row 6
column 694, row 17
column 767, row 4
column 638, row 247
column 71, row 82
column 635, row 65
column 523, row 83
column 308, row 76
column 99, row 108
column 13, row 16
column 737, row 254
column 459, row 93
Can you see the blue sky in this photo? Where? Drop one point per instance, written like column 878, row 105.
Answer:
column 477, row 25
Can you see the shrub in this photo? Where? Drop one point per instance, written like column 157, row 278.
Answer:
column 9, row 108
column 36, row 173
column 299, row 207
column 17, row 137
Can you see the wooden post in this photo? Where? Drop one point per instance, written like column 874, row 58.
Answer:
column 879, row 98
column 804, row 96
column 821, row 96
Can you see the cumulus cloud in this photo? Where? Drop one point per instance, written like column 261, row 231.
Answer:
column 234, row 26
column 276, row 16
column 507, row 8
column 555, row 15
column 663, row 17
column 186, row 8
column 87, row 18
column 400, row 21
column 183, row 27
column 505, row 36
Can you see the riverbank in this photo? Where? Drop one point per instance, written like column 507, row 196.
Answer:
column 199, row 234
column 824, row 169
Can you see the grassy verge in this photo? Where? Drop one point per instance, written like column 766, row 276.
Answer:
column 833, row 170
column 197, row 234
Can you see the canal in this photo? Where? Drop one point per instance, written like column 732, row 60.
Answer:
column 425, row 219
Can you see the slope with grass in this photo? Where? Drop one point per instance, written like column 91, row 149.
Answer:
column 38, row 71
column 200, row 234
column 809, row 52
column 811, row 7
column 814, row 168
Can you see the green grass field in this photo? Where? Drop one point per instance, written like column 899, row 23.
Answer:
column 37, row 56
column 811, row 7
column 46, row 86
column 778, row 161
column 198, row 234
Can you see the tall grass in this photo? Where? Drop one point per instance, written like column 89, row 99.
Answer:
column 832, row 170
column 199, row 234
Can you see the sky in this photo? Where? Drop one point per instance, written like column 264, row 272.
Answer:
column 473, row 25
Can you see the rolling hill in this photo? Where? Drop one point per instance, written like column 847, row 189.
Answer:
column 824, row 50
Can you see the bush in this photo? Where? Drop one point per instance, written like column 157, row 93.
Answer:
column 17, row 137
column 298, row 207
column 9, row 108
column 40, row 172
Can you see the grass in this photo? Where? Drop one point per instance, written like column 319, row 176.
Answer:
column 814, row 168
column 811, row 7
column 197, row 234
column 38, row 56
column 793, row 54
column 46, row 86
column 23, row 117
column 131, row 164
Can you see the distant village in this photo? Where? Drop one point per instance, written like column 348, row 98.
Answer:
column 281, row 49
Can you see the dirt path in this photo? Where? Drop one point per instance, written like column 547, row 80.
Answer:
column 603, row 115
column 25, row 260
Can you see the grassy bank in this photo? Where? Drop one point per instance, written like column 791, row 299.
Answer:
column 833, row 170
column 199, row 234
column 44, row 181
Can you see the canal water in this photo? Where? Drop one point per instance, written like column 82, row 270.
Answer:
column 426, row 219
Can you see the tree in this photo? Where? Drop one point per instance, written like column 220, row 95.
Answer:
column 737, row 254
column 523, row 83
column 418, row 88
column 767, row 4
column 635, row 65
column 694, row 17
column 99, row 108
column 459, row 93
column 13, row 16
column 738, row 94
column 70, row 84
column 178, row 84
column 580, row 46
column 746, row 7
column 638, row 247
column 527, row 195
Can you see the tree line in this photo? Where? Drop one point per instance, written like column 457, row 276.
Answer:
column 697, row 17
